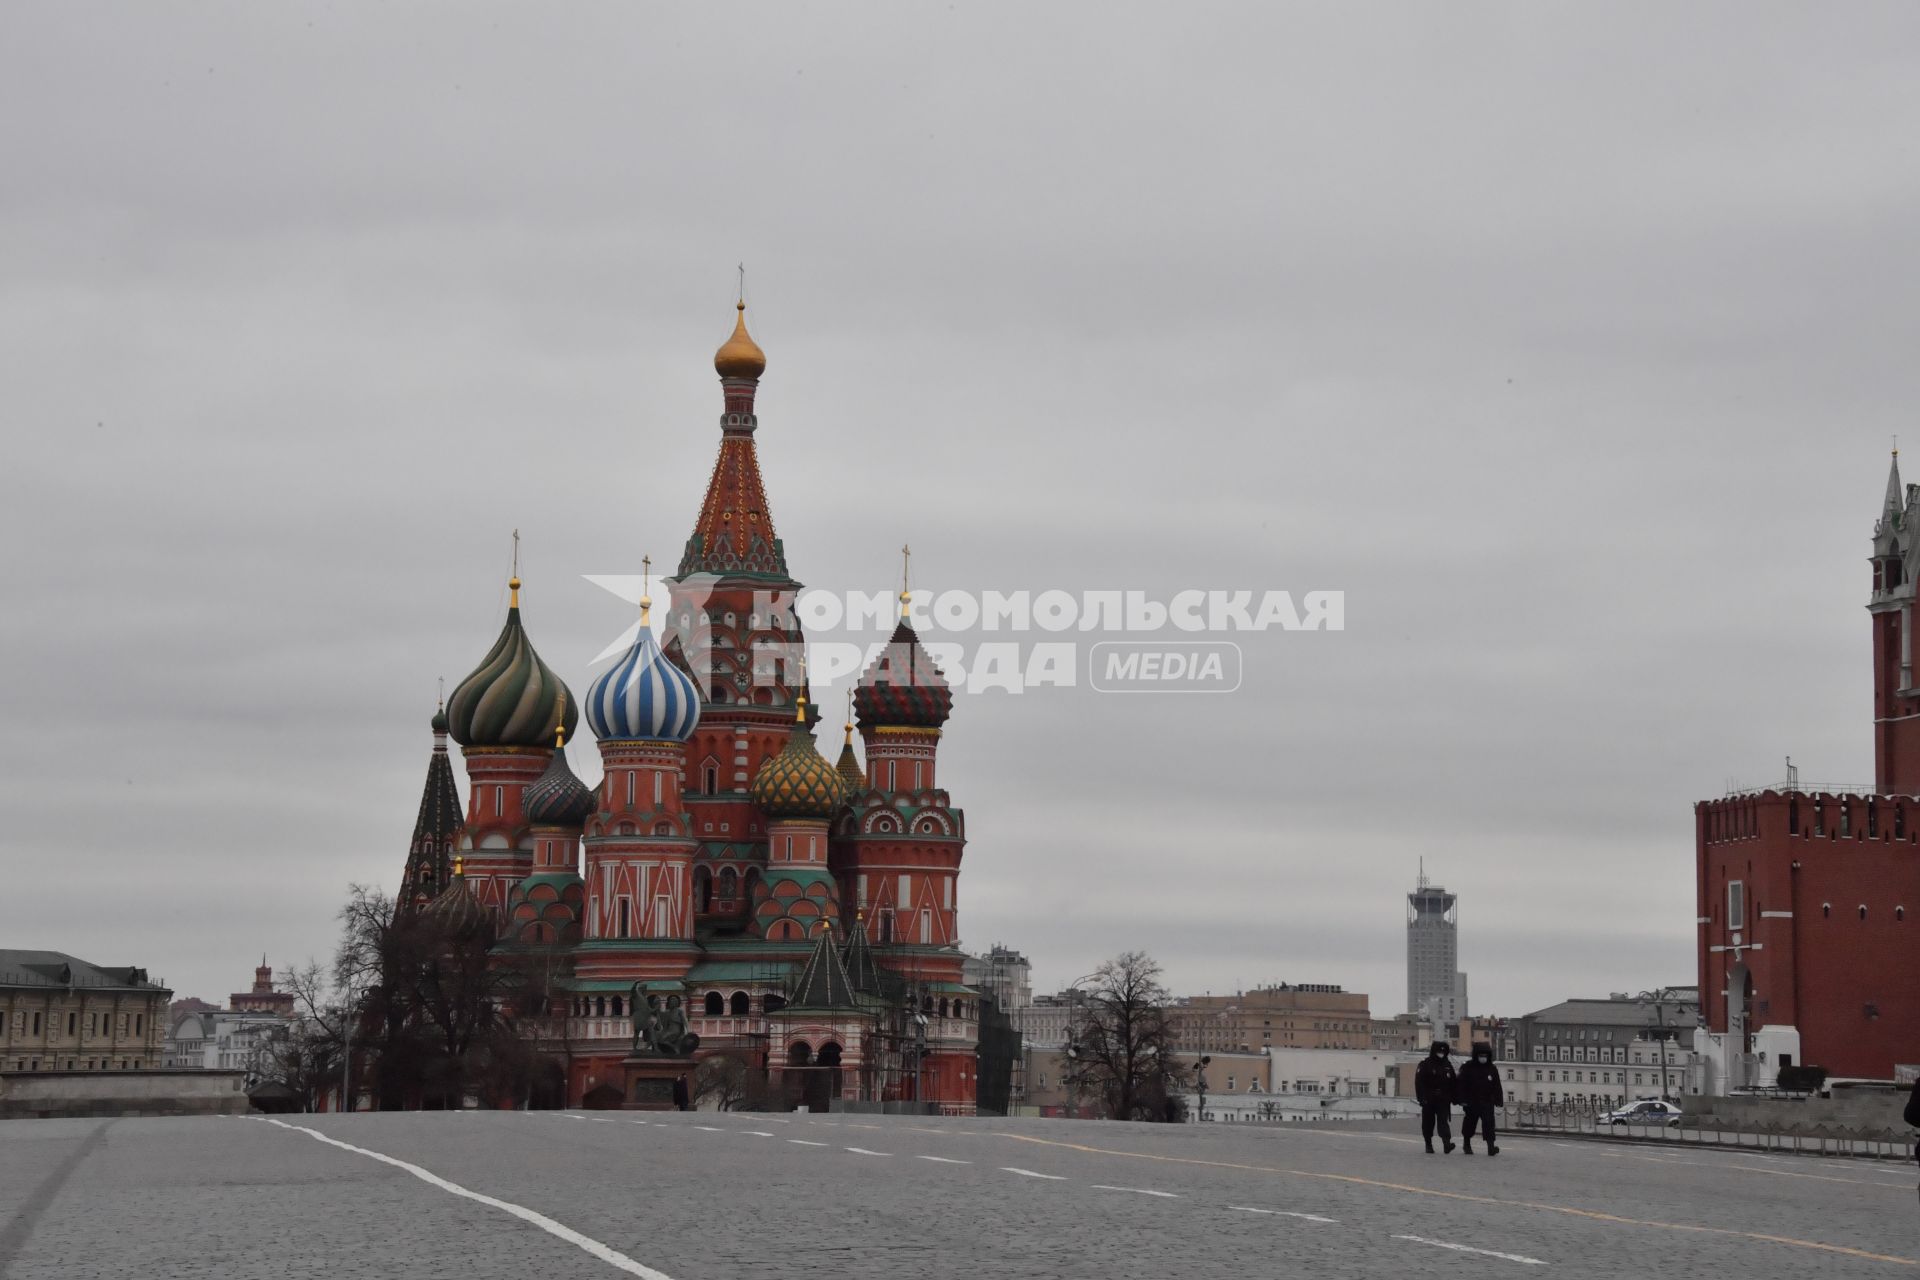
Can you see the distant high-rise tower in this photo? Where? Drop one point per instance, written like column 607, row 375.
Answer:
column 1435, row 985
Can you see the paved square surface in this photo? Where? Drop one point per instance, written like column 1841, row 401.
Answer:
column 557, row 1195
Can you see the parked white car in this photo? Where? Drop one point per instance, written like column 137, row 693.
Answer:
column 1645, row 1111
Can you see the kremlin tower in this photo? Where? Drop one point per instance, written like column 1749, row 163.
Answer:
column 800, row 911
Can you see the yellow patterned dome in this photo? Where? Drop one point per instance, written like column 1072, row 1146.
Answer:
column 740, row 356
column 798, row 783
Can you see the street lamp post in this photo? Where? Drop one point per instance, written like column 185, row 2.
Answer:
column 1200, row 1085
column 1659, row 999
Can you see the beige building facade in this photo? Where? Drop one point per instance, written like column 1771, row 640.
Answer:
column 59, row 1013
column 1304, row 1016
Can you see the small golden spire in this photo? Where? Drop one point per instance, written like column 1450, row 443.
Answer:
column 559, row 721
column 459, row 866
column 646, row 587
column 906, row 596
column 514, row 581
column 849, row 725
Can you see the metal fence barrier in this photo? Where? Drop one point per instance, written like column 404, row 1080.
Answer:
column 1710, row 1131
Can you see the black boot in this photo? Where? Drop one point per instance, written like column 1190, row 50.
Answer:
column 1492, row 1150
column 1429, row 1146
column 1449, row 1145
column 1467, row 1145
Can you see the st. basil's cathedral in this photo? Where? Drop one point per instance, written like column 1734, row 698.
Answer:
column 800, row 913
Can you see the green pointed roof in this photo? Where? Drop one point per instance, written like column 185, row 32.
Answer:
column 862, row 972
column 824, row 983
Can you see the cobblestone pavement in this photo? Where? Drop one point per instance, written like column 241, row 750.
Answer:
column 702, row 1197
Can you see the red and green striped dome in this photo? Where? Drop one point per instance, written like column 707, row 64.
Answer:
column 902, row 687
column 512, row 699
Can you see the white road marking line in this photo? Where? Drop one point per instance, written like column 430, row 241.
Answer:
column 1282, row 1213
column 1138, row 1191
column 862, row 1151
column 1028, row 1173
column 612, row 1257
column 802, row 1142
column 1485, row 1253
column 707, row 1128
column 638, row 1122
column 945, row 1160
column 914, row 1128
column 600, row 1120
column 757, row 1133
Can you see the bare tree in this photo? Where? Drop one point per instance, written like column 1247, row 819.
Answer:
column 723, row 1078
column 303, row 1057
column 1120, row 1047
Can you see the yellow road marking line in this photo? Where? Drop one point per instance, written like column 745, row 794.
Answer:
column 1595, row 1215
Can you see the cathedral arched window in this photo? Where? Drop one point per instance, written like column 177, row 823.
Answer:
column 716, row 1004
column 616, row 1006
column 737, row 1006
column 600, row 1007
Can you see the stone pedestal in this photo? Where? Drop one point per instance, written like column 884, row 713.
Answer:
column 648, row 1082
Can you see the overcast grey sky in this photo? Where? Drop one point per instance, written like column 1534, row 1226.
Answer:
column 1566, row 340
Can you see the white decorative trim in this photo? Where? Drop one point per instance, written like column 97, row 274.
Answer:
column 1776, row 915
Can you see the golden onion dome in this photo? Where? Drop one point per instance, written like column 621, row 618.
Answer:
column 740, row 356
column 798, row 782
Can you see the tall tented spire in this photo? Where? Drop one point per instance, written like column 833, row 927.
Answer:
column 733, row 535
column 429, row 857
column 1896, row 495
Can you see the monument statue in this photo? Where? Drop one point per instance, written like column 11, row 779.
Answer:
column 661, row 1031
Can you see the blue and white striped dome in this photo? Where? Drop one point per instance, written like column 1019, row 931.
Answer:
column 643, row 695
